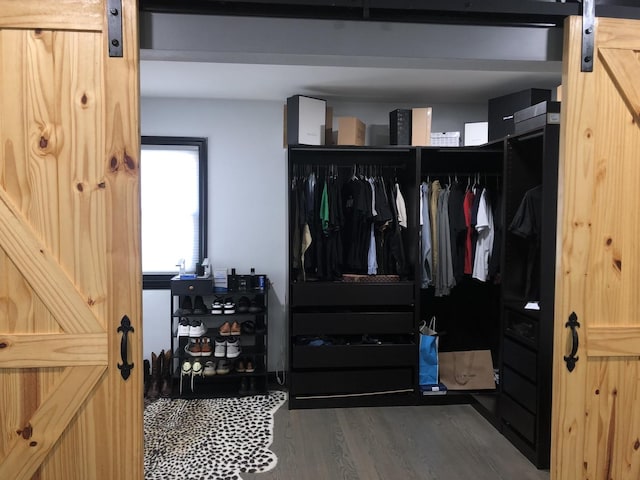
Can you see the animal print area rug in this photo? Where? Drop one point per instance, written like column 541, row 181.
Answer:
column 210, row 439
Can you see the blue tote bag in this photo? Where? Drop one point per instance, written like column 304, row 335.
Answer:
column 428, row 365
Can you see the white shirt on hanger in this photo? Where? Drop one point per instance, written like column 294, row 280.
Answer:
column 484, row 243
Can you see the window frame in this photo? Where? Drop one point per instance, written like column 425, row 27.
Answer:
column 162, row 281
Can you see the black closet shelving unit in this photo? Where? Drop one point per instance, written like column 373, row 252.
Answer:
column 469, row 317
column 531, row 160
column 355, row 372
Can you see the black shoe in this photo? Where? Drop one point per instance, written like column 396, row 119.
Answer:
column 185, row 307
column 252, row 386
column 248, row 327
column 199, row 308
column 255, row 307
column 243, row 305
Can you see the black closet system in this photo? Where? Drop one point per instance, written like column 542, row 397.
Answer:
column 355, row 343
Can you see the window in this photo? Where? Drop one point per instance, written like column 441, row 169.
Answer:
column 173, row 191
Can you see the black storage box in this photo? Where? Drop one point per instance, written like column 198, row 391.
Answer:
column 400, row 127
column 536, row 116
column 502, row 109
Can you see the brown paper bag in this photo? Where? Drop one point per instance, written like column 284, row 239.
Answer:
column 468, row 370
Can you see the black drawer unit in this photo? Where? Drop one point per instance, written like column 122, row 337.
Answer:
column 348, row 356
column 518, row 418
column 331, row 294
column 521, row 359
column 350, row 323
column 351, row 381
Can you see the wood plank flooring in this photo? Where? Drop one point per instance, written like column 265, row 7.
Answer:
column 451, row 442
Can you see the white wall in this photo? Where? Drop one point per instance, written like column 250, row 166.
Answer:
column 248, row 191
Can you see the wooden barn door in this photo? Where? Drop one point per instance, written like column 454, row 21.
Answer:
column 596, row 407
column 69, row 241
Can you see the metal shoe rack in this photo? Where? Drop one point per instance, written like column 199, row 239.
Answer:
column 192, row 301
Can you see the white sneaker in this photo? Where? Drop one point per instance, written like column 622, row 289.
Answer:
column 216, row 306
column 220, row 348
column 209, row 369
column 233, row 347
column 229, row 306
column 183, row 328
column 197, row 329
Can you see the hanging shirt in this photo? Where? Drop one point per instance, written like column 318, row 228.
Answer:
column 401, row 207
column 445, row 280
column 433, row 213
column 484, row 243
column 372, row 264
column 425, row 236
column 468, row 246
column 324, row 209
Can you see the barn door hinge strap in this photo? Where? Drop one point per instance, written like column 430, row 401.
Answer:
column 588, row 33
column 114, row 26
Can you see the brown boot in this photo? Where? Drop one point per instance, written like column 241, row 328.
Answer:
column 156, row 369
column 167, row 380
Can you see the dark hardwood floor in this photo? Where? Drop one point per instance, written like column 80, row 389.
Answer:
column 451, row 442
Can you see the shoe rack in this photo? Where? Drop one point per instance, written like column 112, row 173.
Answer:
column 219, row 338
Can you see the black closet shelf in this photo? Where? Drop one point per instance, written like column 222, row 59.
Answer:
column 349, row 148
column 350, row 356
column 351, row 381
column 352, row 294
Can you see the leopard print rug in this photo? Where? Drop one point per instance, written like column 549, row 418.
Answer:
column 210, row 439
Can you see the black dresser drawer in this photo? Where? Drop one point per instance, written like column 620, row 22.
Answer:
column 346, row 323
column 351, row 381
column 325, row 294
column 521, row 359
column 196, row 286
column 518, row 418
column 348, row 356
column 520, row 389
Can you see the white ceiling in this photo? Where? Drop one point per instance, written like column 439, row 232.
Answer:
column 447, row 82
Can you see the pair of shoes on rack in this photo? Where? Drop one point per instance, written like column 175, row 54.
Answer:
column 217, row 367
column 158, row 381
column 227, row 329
column 199, row 347
column 220, row 306
column 190, row 369
column 248, row 386
column 227, row 347
column 245, row 366
column 191, row 328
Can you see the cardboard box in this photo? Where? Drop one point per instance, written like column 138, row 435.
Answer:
column 306, row 118
column 351, row 131
column 400, row 126
column 501, row 110
column 476, row 133
column 421, row 127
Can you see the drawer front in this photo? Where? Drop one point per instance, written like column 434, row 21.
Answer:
column 192, row 287
column 520, row 389
column 347, row 323
column 520, row 359
column 348, row 356
column 518, row 418
column 351, row 294
column 351, row 381
column 522, row 327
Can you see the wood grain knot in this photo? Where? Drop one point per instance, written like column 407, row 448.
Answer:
column 114, row 164
column 91, row 301
column 102, row 185
column 588, row 133
column 43, row 142
column 636, row 445
column 614, row 392
column 38, row 31
column 33, row 444
column 26, row 432
column 84, row 99
column 597, row 392
column 609, row 241
column 80, row 187
column 128, row 161
column 3, row 345
column 617, row 264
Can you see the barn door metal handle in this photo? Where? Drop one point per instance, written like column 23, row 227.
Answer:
column 573, row 324
column 125, row 367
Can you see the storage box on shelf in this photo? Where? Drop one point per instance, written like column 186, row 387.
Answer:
column 219, row 338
